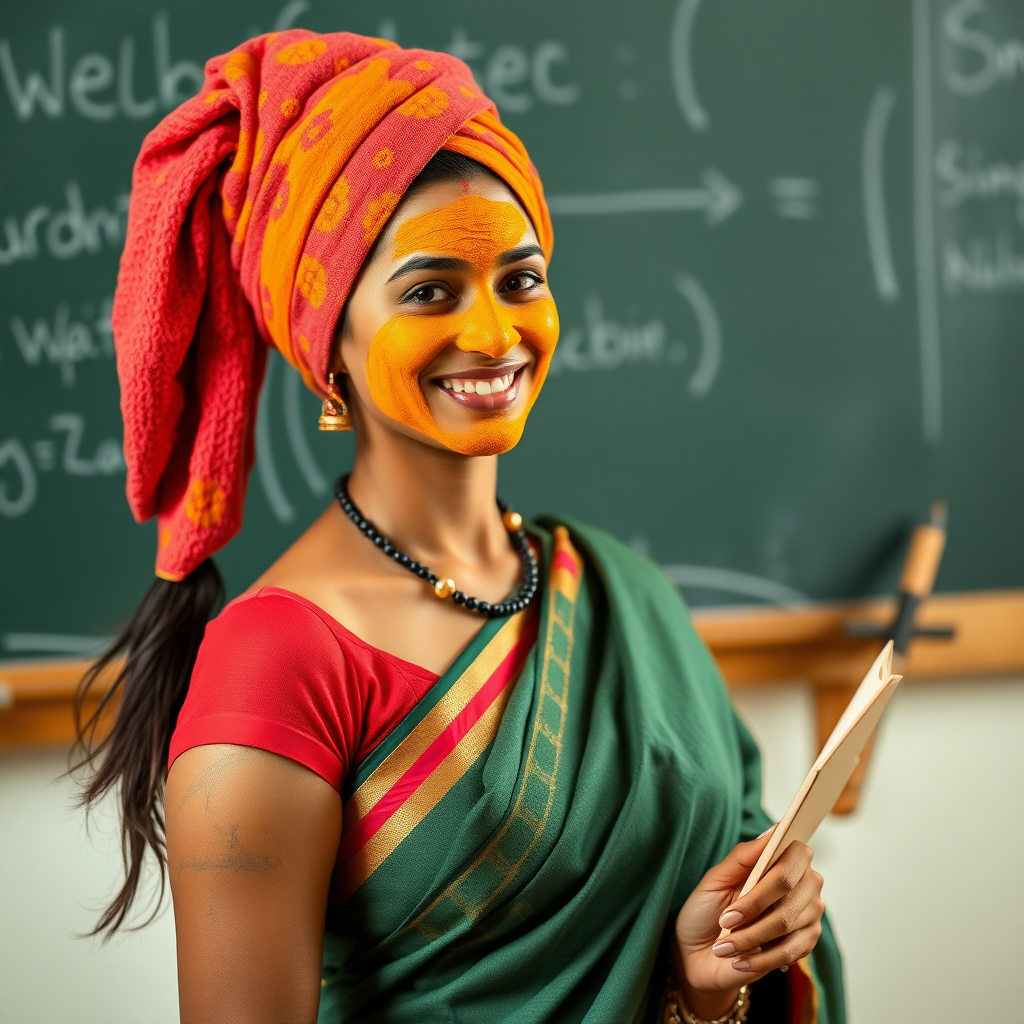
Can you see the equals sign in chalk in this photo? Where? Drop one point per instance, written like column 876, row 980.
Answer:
column 795, row 198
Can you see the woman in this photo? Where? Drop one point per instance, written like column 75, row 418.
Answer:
column 429, row 767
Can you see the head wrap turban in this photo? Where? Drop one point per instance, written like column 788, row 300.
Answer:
column 253, row 207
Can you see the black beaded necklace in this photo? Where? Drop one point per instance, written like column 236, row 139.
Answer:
column 444, row 588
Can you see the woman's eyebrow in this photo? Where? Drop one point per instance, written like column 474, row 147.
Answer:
column 454, row 263
column 430, row 263
column 519, row 253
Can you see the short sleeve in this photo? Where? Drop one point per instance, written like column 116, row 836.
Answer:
column 271, row 674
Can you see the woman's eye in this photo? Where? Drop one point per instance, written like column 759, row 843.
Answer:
column 428, row 294
column 525, row 281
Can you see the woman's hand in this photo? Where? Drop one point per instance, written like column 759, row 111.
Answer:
column 775, row 924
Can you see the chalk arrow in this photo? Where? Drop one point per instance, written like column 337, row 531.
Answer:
column 718, row 198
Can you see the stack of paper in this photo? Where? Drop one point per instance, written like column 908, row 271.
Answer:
column 834, row 766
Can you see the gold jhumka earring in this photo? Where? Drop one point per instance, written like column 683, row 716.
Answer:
column 334, row 412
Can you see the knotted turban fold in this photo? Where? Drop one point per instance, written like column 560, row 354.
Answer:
column 253, row 207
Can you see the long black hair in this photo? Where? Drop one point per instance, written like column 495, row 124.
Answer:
column 152, row 662
column 153, row 659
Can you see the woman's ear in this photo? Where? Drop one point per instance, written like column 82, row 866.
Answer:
column 342, row 333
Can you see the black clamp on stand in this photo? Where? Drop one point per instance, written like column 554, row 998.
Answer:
column 920, row 568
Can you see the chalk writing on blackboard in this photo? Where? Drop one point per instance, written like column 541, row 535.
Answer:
column 64, row 341
column 967, row 174
column 604, row 343
column 98, row 86
column 64, row 450
column 977, row 61
column 681, row 64
column 55, row 643
column 716, row 197
column 18, row 487
column 795, row 198
column 64, row 231
column 710, row 358
column 982, row 265
column 873, row 192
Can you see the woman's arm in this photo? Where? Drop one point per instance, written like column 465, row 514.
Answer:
column 252, row 840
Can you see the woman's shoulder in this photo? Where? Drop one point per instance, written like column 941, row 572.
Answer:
column 275, row 630
column 272, row 609
column 271, row 673
column 275, row 671
column 270, row 628
column 272, row 643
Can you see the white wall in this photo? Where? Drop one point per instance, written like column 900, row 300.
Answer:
column 52, row 877
column 923, row 883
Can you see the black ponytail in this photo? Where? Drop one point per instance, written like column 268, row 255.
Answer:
column 153, row 658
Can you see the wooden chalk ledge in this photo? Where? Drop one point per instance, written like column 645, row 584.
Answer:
column 753, row 647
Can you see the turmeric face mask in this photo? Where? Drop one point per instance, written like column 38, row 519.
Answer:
column 477, row 231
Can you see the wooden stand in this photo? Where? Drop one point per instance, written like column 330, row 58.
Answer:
column 756, row 647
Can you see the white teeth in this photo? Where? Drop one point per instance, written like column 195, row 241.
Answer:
column 479, row 387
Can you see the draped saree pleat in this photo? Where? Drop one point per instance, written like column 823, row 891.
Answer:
column 517, row 848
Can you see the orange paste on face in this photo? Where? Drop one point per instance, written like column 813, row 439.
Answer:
column 477, row 230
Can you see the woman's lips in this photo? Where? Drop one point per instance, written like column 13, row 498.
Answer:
column 501, row 384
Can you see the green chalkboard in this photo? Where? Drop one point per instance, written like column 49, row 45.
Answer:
column 789, row 265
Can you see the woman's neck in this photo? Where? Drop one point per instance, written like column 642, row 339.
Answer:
column 430, row 502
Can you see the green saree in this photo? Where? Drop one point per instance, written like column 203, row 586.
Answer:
column 518, row 848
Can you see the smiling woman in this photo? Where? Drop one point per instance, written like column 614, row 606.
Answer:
column 475, row 314
column 434, row 764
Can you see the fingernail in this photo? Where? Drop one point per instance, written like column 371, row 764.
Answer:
column 724, row 948
column 741, row 965
column 765, row 832
column 730, row 919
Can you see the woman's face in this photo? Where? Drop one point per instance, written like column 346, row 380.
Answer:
column 450, row 329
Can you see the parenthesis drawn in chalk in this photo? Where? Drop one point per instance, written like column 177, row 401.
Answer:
column 290, row 13
column 11, row 506
column 310, row 471
column 872, row 165
column 710, row 334
column 279, row 504
column 680, row 59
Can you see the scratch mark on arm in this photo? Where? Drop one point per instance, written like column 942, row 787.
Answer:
column 206, row 781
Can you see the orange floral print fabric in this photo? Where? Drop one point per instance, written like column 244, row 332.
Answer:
column 254, row 205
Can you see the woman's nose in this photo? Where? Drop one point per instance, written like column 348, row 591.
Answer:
column 488, row 328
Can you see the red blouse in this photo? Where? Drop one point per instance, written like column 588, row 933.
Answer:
column 276, row 672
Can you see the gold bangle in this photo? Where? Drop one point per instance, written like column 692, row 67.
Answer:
column 677, row 1012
